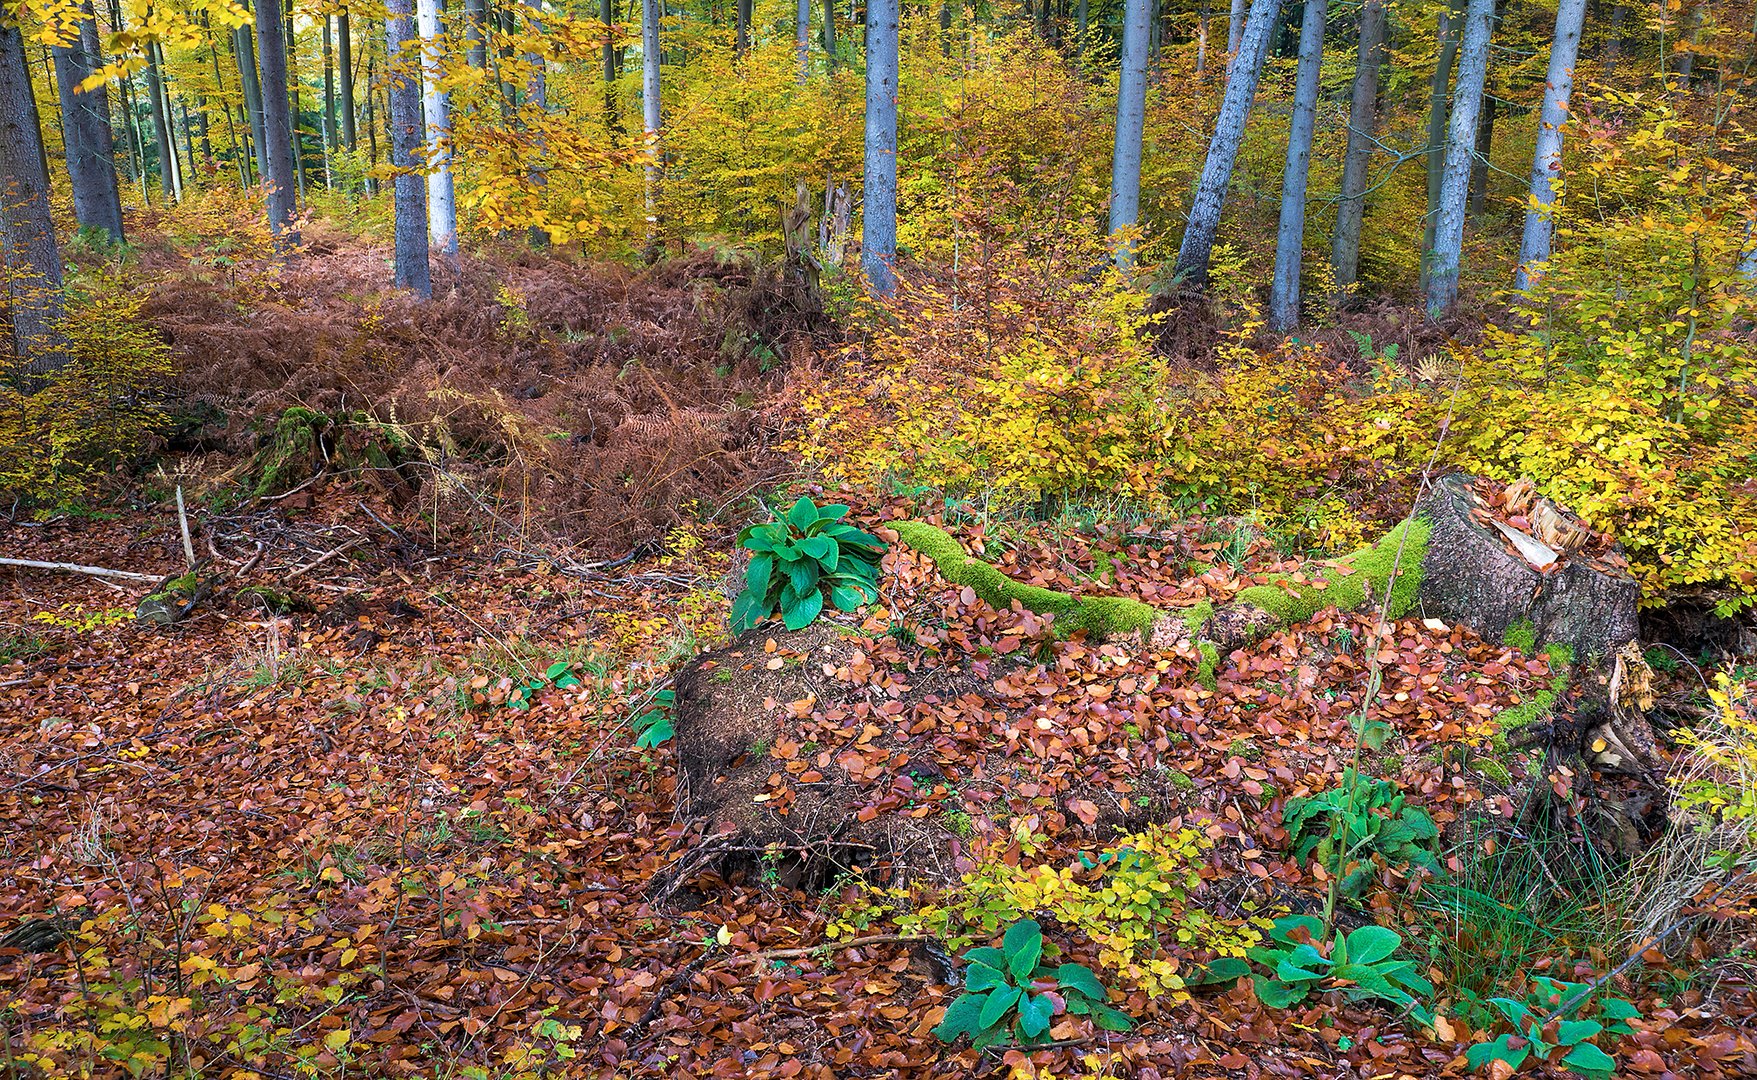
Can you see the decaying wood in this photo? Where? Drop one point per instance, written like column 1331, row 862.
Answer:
column 77, row 568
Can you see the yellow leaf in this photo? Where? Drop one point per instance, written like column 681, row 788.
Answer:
column 337, row 1040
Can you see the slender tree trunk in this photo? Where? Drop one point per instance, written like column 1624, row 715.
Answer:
column 612, row 115
column 345, row 66
column 329, row 106
column 650, row 116
column 1438, row 104
column 802, row 21
column 1473, row 66
column 1202, row 39
column 741, row 27
column 830, row 31
column 878, row 228
column 1689, row 32
column 28, row 253
column 155, row 88
column 1131, row 122
column 245, row 47
column 85, row 127
column 946, row 29
column 1546, row 162
column 1082, row 16
column 537, row 101
column 136, row 138
column 475, row 33
column 296, row 117
column 1613, row 43
column 372, row 129
column 403, row 51
column 240, row 155
column 442, row 216
column 1290, row 238
column 277, row 123
column 1242, row 74
column 1235, row 26
column 1363, row 116
column 1479, row 164
column 185, row 176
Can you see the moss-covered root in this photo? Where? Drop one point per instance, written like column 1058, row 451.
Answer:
column 1099, row 616
column 1350, row 582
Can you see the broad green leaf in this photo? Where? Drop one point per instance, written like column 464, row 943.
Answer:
column 846, row 598
column 1516, row 1012
column 758, row 572
column 1370, row 944
column 832, row 512
column 821, row 548
column 659, row 732
column 804, row 611
column 1111, row 1019
column 999, row 1002
column 961, row 1019
column 1499, row 1050
column 556, row 670
column 1023, row 944
column 802, row 514
column 1223, row 970
column 1589, row 1061
column 1035, row 1012
column 980, row 977
column 1285, row 926
column 1569, row 1032
column 1617, row 1009
column 803, row 575
column 1079, row 979
column 988, row 955
column 991, row 1036
column 1276, row 994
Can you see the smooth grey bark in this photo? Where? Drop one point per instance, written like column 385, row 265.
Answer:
column 1473, row 67
column 1242, row 73
column 1235, row 26
column 802, row 27
column 328, row 120
column 155, row 88
column 1748, row 261
column 1439, row 102
column 537, row 98
column 345, row 62
column 1290, row 237
column 650, row 117
column 245, row 48
column 741, row 27
column 86, row 136
column 296, row 114
column 1479, row 165
column 442, row 215
column 28, row 252
column 1131, row 122
column 1202, row 38
column 1546, row 160
column 277, row 124
column 830, row 30
column 612, row 115
column 1082, row 15
column 407, row 133
column 878, row 223
column 1363, row 118
column 946, row 29
column 475, row 33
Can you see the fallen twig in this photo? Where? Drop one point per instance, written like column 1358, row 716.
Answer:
column 183, row 524
column 325, row 557
column 77, row 568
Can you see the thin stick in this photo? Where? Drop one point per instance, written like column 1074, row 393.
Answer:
column 828, row 946
column 183, row 523
column 76, row 568
column 325, row 557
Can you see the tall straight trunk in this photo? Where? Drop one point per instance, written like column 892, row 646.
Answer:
column 345, row 67
column 830, row 30
column 537, row 100
column 442, row 215
column 1290, row 238
column 372, row 129
column 328, row 118
column 1546, row 162
column 155, row 88
column 403, row 51
column 1131, row 122
column 878, row 228
column 946, row 29
column 741, row 27
column 201, row 132
column 86, row 137
column 1473, row 67
column 296, row 116
column 240, row 155
column 1197, row 248
column 277, row 122
column 650, row 115
column 28, row 252
column 1690, row 33
column 476, row 33
column 1202, row 38
column 136, row 138
column 1363, row 118
column 612, row 115
column 1613, row 42
column 1439, row 100
column 1479, row 164
column 1154, row 30
column 1082, row 16
column 802, row 20
column 186, row 176
column 245, row 47
column 1235, row 26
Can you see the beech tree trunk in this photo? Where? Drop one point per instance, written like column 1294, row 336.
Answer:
column 830, row 29
column 442, row 214
column 878, row 228
column 277, row 121
column 1197, row 248
column 1131, row 121
column 1473, row 66
column 650, row 113
column 1363, row 116
column 802, row 38
column 155, row 86
column 28, row 252
column 1439, row 101
column 476, row 34
column 1479, row 165
column 741, row 27
column 244, row 46
column 1291, row 237
column 1546, row 161
column 85, row 128
column 330, row 144
column 407, row 127
column 1235, row 26
column 345, row 61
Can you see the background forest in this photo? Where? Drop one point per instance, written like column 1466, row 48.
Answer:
column 433, row 434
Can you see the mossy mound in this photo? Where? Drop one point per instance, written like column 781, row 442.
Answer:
column 1351, row 581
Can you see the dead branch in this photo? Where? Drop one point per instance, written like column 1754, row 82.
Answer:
column 77, row 568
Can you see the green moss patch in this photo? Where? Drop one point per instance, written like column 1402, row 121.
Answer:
column 1345, row 581
column 1099, row 616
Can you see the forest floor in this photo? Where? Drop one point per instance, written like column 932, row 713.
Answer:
column 374, row 806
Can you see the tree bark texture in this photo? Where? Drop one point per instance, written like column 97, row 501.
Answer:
column 1131, row 121
column 29, row 255
column 1473, row 66
column 1546, row 161
column 1290, row 237
column 277, row 122
column 878, row 229
column 85, row 127
column 1363, row 118
column 407, row 128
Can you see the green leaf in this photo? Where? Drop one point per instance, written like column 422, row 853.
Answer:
column 1023, row 944
column 1499, row 1050
column 988, row 955
column 1589, row 1061
column 980, row 977
column 961, row 1019
column 846, row 598
column 1110, row 1019
column 802, row 574
column 1276, row 994
column 802, row 514
column 1370, row 944
column 1516, row 1012
column 758, row 573
column 1284, row 927
column 1569, row 1032
column 1079, row 979
column 556, row 670
column 1035, row 1012
column 821, row 548
column 832, row 512
column 567, row 682
column 807, row 608
column 999, row 1002
column 1223, row 970
column 659, row 732
column 1612, row 1008
column 990, row 1036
